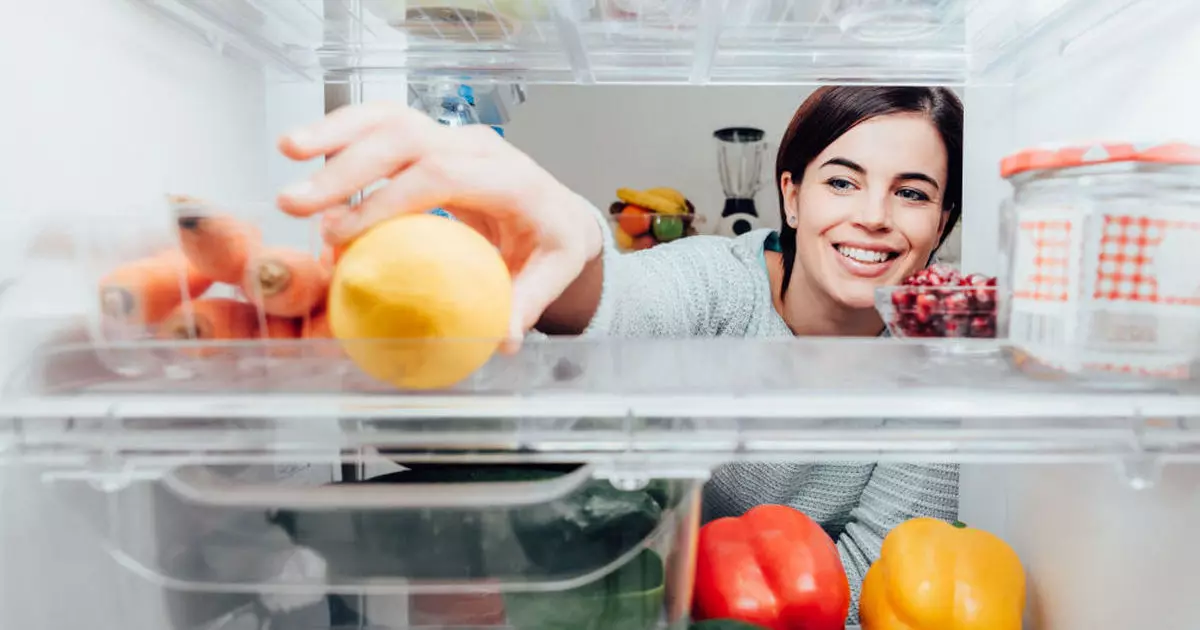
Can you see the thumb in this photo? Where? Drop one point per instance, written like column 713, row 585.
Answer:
column 540, row 282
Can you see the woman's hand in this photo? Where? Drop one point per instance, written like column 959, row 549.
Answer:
column 545, row 232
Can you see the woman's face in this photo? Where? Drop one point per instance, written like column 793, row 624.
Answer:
column 868, row 210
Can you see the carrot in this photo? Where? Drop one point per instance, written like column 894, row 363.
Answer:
column 285, row 282
column 282, row 328
column 211, row 319
column 145, row 291
column 217, row 244
column 317, row 327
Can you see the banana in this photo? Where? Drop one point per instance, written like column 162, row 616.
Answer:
column 669, row 193
column 662, row 204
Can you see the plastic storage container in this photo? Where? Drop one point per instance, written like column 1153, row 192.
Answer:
column 151, row 309
column 1103, row 246
column 524, row 546
column 890, row 20
column 460, row 20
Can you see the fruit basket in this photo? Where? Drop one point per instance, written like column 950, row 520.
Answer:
column 635, row 233
column 642, row 219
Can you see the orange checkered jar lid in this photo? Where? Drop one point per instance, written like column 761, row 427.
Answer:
column 1074, row 156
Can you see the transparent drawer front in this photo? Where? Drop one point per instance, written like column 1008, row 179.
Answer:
column 529, row 546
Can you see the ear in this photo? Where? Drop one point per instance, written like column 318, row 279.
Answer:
column 790, row 189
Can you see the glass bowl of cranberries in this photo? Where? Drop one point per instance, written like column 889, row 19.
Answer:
column 940, row 302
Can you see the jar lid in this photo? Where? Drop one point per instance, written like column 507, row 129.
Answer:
column 1044, row 158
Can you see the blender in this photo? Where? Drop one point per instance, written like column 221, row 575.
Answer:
column 740, row 155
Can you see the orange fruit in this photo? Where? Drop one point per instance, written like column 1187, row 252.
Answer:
column 634, row 220
column 420, row 302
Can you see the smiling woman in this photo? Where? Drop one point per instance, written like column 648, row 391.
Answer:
column 879, row 189
column 869, row 182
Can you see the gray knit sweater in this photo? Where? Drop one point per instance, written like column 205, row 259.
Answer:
column 707, row 286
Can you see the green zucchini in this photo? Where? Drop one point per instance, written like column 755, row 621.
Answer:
column 630, row 598
column 573, row 535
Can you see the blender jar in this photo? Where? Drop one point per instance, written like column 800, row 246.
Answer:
column 741, row 156
column 1101, row 275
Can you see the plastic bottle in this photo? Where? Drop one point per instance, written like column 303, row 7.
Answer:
column 454, row 106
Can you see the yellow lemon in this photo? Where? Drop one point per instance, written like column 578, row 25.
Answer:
column 420, row 301
column 623, row 239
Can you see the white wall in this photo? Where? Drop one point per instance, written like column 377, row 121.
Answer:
column 1100, row 553
column 596, row 139
column 103, row 108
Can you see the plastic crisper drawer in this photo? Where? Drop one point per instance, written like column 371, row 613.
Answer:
column 530, row 546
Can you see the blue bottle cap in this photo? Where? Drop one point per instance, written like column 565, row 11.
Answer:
column 467, row 94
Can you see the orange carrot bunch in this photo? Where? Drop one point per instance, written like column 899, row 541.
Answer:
column 284, row 282
column 284, row 290
column 144, row 292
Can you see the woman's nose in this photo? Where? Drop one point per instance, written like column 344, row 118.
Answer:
column 875, row 213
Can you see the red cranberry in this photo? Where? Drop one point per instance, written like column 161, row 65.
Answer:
column 946, row 273
column 927, row 306
column 956, row 303
column 958, row 326
column 903, row 299
column 983, row 326
column 975, row 280
column 984, row 298
column 936, row 306
column 918, row 279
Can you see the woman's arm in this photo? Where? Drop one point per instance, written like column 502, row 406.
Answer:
column 691, row 287
column 894, row 494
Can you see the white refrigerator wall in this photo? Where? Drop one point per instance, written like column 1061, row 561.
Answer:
column 105, row 107
column 1101, row 554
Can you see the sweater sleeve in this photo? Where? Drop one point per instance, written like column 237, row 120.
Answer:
column 693, row 287
column 895, row 493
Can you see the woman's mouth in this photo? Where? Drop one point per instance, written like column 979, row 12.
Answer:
column 865, row 262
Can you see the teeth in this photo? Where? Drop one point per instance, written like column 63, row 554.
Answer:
column 863, row 255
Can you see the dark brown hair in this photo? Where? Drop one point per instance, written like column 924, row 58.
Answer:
column 832, row 111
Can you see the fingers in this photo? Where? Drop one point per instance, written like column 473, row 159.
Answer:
column 379, row 138
column 377, row 156
column 344, row 126
column 416, row 189
column 539, row 283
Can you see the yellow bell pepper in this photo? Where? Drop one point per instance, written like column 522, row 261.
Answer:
column 932, row 575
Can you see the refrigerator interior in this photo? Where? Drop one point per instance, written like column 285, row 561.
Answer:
column 114, row 102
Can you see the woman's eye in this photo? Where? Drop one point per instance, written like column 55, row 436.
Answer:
column 912, row 194
column 837, row 183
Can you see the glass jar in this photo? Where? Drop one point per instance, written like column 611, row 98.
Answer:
column 1101, row 269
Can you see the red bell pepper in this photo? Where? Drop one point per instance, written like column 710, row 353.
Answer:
column 773, row 567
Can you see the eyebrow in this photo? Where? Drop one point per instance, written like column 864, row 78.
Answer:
column 858, row 168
